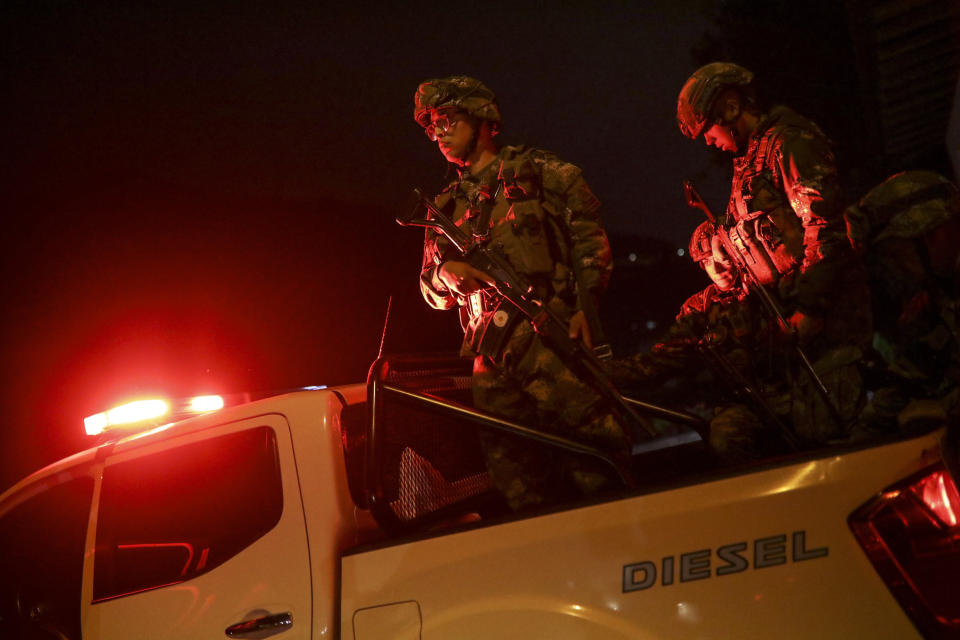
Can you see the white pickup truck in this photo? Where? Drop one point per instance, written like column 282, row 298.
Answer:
column 365, row 511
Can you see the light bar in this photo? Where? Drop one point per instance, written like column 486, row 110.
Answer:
column 137, row 411
column 202, row 404
column 95, row 424
column 148, row 410
column 128, row 413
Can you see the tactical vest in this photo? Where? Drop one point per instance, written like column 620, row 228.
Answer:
column 507, row 210
column 765, row 229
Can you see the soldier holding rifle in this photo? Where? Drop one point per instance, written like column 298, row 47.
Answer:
column 784, row 222
column 720, row 344
column 537, row 213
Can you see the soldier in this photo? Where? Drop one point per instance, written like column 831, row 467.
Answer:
column 710, row 314
column 725, row 283
column 714, row 346
column 540, row 213
column 703, row 316
column 785, row 219
column 908, row 231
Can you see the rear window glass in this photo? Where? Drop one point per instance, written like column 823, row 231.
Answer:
column 171, row 516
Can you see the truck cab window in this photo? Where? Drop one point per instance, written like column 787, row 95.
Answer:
column 170, row 516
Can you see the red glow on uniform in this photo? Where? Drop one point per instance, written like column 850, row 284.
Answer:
column 939, row 494
column 201, row 404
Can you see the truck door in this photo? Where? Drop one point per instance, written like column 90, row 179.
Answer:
column 201, row 536
column 41, row 558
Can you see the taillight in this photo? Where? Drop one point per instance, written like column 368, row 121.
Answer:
column 911, row 535
column 939, row 494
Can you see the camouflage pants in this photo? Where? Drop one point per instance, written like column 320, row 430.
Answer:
column 737, row 435
column 531, row 385
column 812, row 419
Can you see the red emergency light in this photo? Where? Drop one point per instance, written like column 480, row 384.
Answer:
column 146, row 412
column 202, row 404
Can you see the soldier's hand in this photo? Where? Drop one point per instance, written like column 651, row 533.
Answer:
column 580, row 329
column 463, row 279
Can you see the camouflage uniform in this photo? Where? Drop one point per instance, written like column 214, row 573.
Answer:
column 715, row 346
column 785, row 218
column 786, row 200
column 539, row 212
column 908, row 231
column 708, row 316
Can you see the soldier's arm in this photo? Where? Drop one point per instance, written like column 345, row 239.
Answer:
column 695, row 304
column 808, row 170
column 674, row 355
column 578, row 209
column 434, row 290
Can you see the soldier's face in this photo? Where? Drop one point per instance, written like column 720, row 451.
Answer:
column 721, row 136
column 719, row 266
column 722, row 275
column 454, row 139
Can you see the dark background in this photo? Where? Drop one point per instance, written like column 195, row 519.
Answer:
column 200, row 198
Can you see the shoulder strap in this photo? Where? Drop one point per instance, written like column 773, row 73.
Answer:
column 486, row 200
column 764, row 159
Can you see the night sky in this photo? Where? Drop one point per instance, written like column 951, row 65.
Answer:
column 201, row 199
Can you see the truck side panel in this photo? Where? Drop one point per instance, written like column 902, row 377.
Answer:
column 747, row 557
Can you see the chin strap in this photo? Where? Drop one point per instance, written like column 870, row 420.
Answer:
column 473, row 139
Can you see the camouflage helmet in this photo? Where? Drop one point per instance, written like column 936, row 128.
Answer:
column 700, row 247
column 702, row 89
column 909, row 204
column 456, row 92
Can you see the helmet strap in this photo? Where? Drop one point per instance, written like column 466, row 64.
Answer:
column 475, row 124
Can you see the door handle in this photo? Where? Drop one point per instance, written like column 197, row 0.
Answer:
column 276, row 623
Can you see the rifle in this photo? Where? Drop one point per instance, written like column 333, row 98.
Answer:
column 754, row 286
column 516, row 290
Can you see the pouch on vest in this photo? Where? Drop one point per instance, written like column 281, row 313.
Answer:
column 524, row 238
column 496, row 326
column 743, row 237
